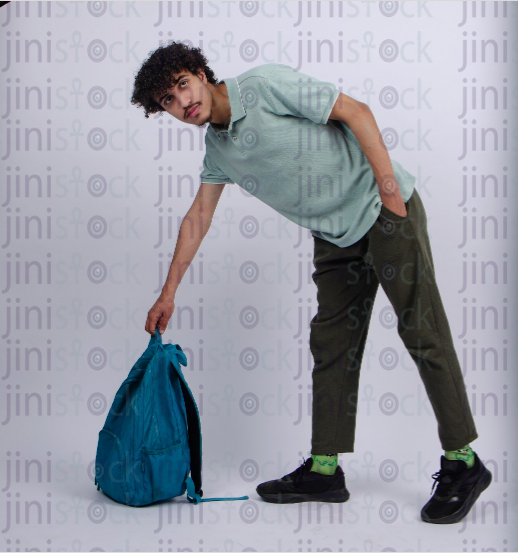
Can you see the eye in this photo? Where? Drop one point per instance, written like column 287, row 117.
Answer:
column 169, row 96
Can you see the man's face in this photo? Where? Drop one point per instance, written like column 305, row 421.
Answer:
column 188, row 99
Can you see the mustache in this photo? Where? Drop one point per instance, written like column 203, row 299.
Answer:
column 190, row 108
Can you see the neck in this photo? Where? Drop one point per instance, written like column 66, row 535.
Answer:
column 221, row 113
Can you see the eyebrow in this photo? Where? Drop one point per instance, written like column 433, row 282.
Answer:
column 174, row 82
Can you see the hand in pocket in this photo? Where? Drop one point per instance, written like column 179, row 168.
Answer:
column 399, row 210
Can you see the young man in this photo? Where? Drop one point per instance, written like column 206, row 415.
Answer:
column 317, row 157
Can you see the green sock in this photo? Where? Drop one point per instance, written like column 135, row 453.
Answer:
column 464, row 454
column 325, row 464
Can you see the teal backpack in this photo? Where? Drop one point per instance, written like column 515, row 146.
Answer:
column 151, row 439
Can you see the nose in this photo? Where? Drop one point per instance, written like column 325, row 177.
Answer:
column 186, row 97
column 187, row 105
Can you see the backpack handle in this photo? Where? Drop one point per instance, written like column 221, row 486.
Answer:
column 157, row 336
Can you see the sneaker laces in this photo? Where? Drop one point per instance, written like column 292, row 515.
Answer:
column 445, row 479
column 298, row 474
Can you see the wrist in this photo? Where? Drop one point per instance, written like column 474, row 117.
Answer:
column 168, row 291
column 396, row 205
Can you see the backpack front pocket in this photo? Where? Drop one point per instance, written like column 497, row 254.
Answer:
column 111, row 468
column 167, row 469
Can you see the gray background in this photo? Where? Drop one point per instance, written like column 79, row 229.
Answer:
column 95, row 289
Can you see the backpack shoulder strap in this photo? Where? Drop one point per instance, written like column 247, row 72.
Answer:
column 177, row 356
column 195, row 498
column 193, row 482
column 194, row 433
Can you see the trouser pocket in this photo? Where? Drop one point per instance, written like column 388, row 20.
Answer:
column 166, row 471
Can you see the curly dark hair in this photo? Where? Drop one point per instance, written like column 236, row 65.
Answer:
column 155, row 75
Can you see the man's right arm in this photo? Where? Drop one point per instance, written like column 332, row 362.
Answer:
column 193, row 229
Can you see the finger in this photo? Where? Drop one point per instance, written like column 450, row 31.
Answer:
column 152, row 321
column 162, row 325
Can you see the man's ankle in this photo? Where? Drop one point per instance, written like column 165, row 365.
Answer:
column 325, row 464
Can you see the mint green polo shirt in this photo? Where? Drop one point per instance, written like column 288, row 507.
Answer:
column 281, row 147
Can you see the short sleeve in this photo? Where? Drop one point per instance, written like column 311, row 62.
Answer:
column 212, row 173
column 298, row 94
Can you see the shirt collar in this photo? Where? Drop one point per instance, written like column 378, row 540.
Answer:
column 237, row 109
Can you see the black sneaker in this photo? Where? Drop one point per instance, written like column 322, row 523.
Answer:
column 458, row 489
column 304, row 485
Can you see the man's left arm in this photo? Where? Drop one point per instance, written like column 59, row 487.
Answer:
column 360, row 120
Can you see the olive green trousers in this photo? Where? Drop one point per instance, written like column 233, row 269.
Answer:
column 395, row 253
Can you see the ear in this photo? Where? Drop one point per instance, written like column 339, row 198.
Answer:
column 202, row 76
